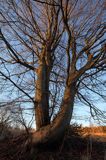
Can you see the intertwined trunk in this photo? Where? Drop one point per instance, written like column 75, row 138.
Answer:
column 54, row 131
column 48, row 132
column 42, row 95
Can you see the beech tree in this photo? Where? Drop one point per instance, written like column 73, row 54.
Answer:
column 52, row 54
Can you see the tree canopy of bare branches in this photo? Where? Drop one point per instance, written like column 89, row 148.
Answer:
column 52, row 54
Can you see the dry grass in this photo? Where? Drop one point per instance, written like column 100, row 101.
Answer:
column 97, row 133
column 73, row 147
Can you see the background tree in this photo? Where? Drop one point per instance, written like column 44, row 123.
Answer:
column 52, row 53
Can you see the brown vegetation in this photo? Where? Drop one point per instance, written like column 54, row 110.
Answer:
column 97, row 133
column 73, row 146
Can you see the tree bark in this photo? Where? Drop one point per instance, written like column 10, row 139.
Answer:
column 52, row 132
column 42, row 95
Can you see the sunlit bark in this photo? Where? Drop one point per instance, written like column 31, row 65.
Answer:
column 54, row 131
column 42, row 95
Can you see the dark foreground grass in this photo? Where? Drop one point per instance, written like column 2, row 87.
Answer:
column 72, row 147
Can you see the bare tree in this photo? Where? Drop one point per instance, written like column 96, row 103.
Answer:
column 53, row 52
